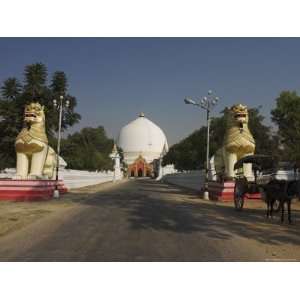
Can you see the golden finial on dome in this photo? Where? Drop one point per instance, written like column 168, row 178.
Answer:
column 142, row 115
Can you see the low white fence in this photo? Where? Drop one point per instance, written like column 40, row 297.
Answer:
column 73, row 178
column 192, row 179
column 76, row 179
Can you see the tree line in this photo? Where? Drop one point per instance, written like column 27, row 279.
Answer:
column 88, row 149
column 282, row 140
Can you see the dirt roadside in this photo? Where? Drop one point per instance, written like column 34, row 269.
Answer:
column 16, row 215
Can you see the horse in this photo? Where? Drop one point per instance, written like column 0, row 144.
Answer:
column 283, row 191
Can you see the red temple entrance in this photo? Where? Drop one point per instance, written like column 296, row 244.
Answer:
column 140, row 168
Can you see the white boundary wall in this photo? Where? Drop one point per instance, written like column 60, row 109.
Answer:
column 191, row 179
column 74, row 178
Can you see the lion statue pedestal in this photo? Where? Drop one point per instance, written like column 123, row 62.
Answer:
column 36, row 161
column 238, row 143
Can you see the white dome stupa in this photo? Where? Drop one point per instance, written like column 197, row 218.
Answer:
column 142, row 137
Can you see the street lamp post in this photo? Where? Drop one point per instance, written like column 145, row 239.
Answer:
column 207, row 103
column 60, row 106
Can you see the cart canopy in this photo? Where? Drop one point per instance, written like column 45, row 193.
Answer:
column 262, row 162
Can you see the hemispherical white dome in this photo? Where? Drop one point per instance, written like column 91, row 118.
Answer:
column 142, row 137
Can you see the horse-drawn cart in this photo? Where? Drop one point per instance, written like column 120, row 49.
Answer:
column 278, row 180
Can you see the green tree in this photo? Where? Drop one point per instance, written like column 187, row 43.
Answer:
column 10, row 125
column 11, row 120
column 11, row 89
column 88, row 149
column 286, row 115
column 35, row 81
column 59, row 83
column 265, row 140
column 190, row 153
column 59, row 87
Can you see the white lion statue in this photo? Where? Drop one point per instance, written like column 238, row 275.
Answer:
column 35, row 158
column 238, row 143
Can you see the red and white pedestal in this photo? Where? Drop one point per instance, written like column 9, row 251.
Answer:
column 29, row 190
column 221, row 191
column 225, row 191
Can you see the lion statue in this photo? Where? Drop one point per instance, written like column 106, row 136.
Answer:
column 35, row 159
column 238, row 143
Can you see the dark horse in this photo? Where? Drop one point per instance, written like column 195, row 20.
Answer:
column 282, row 191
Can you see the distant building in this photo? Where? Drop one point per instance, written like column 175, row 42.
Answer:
column 142, row 142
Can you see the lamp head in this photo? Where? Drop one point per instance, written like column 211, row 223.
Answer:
column 189, row 101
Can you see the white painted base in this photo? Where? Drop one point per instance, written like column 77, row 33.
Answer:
column 56, row 194
column 74, row 178
column 206, row 195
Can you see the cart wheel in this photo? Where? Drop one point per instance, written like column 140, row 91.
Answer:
column 239, row 192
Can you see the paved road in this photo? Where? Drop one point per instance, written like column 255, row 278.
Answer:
column 142, row 220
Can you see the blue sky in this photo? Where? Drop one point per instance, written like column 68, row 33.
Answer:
column 116, row 78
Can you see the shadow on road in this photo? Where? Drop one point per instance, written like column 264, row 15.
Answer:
column 146, row 209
